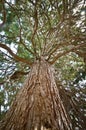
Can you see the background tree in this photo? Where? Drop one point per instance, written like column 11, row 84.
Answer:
column 36, row 36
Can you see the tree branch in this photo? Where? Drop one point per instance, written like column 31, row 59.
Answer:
column 66, row 52
column 35, row 29
column 55, row 48
column 22, row 42
column 17, row 58
column 4, row 15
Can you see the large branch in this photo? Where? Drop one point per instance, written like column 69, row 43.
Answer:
column 34, row 29
column 17, row 58
column 66, row 52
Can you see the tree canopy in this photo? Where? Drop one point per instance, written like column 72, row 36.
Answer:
column 55, row 30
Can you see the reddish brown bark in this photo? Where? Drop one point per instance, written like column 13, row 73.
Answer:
column 38, row 103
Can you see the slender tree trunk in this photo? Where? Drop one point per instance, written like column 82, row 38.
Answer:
column 38, row 104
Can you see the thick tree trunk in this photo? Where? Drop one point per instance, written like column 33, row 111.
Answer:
column 38, row 104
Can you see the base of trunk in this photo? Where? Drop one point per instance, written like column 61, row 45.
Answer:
column 38, row 104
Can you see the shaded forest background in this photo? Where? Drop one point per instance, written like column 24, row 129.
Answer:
column 53, row 29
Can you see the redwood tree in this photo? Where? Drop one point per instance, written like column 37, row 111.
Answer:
column 35, row 34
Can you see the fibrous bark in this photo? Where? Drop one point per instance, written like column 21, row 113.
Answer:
column 38, row 104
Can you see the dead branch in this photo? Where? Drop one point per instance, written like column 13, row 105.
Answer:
column 18, row 74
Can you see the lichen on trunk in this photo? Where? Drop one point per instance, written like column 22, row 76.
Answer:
column 38, row 104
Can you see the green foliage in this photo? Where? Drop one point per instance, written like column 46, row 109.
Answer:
column 69, row 66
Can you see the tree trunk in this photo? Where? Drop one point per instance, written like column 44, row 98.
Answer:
column 37, row 105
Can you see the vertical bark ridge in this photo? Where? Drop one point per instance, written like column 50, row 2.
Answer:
column 38, row 104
